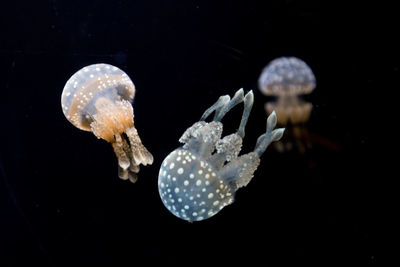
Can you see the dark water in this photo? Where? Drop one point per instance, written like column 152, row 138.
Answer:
column 61, row 201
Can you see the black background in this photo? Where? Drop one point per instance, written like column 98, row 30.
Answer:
column 61, row 201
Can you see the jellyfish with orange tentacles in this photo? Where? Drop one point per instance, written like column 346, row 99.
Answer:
column 98, row 98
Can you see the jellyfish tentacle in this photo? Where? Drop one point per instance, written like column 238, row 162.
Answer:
column 229, row 147
column 236, row 99
column 269, row 136
column 131, row 155
column 127, row 174
column 206, row 137
column 133, row 167
column 140, row 154
column 132, row 177
column 248, row 104
column 119, row 147
column 238, row 172
column 123, row 173
column 222, row 101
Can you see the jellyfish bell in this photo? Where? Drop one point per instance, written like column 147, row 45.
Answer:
column 288, row 78
column 200, row 178
column 98, row 98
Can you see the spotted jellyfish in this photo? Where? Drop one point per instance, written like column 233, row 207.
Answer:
column 200, row 178
column 288, row 78
column 98, row 98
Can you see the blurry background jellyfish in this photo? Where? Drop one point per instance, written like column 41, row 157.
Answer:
column 287, row 78
column 98, row 98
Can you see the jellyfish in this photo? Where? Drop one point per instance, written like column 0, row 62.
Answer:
column 201, row 177
column 98, row 98
column 287, row 78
